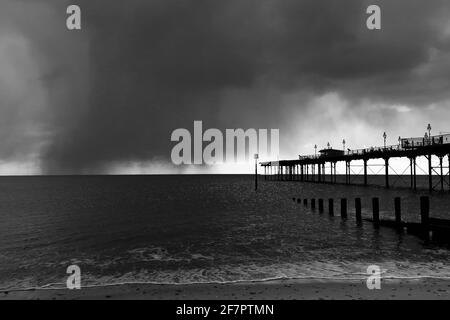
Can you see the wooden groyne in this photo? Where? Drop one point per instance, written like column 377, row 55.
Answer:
column 434, row 229
column 313, row 168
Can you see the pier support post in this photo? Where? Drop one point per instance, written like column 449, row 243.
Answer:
column 358, row 209
column 320, row 205
column 415, row 174
column 313, row 204
column 305, row 202
column 319, row 172
column 335, row 172
column 442, row 172
column 331, row 207
column 398, row 212
column 386, row 166
column 344, row 208
column 347, row 172
column 376, row 211
column 430, row 174
column 411, row 172
column 365, row 172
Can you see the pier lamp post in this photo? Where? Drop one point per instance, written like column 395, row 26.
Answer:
column 429, row 130
column 315, row 150
column 399, row 142
column 328, row 145
column 425, row 141
column 343, row 144
column 384, row 137
column 256, row 171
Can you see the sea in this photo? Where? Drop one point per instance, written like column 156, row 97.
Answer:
column 184, row 229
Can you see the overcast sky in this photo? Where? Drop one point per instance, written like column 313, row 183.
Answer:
column 107, row 98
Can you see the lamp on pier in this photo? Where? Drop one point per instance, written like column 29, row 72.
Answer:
column 384, row 137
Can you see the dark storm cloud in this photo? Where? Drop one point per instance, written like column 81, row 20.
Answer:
column 154, row 66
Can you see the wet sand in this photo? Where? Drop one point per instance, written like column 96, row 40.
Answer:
column 271, row 290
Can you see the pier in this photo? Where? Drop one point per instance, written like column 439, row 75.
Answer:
column 313, row 168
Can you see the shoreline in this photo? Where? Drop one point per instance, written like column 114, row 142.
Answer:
column 424, row 288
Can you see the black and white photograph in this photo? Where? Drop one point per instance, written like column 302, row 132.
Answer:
column 224, row 150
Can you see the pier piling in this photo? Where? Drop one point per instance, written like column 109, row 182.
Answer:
column 376, row 211
column 320, row 205
column 344, row 208
column 331, row 207
column 313, row 204
column 358, row 209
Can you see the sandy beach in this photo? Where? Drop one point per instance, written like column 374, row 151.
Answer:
column 276, row 290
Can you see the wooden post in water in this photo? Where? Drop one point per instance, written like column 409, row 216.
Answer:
column 313, row 204
column 343, row 208
column 358, row 209
column 376, row 211
column 425, row 215
column 305, row 202
column 398, row 212
column 320, row 205
column 331, row 207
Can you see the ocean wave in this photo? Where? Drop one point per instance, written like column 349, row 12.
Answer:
column 228, row 274
column 148, row 254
